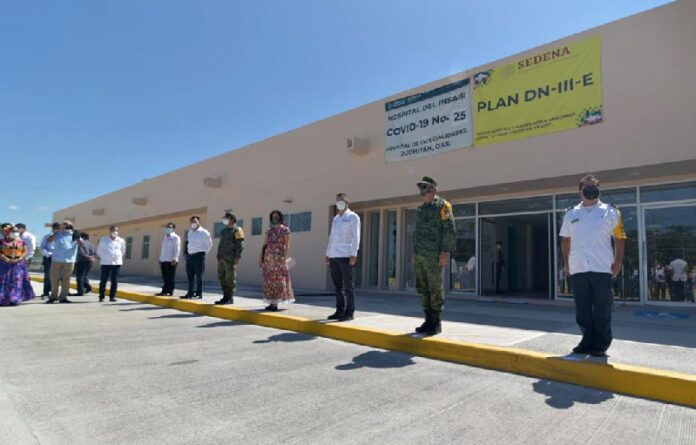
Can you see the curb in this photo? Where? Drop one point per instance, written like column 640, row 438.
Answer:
column 666, row 386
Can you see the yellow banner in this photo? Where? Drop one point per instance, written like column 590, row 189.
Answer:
column 543, row 93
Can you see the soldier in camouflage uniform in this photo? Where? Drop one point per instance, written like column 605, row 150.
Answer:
column 433, row 240
column 228, row 255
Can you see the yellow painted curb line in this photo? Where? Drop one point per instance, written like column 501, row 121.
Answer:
column 667, row 386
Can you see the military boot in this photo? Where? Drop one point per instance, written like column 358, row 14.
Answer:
column 436, row 326
column 225, row 299
column 426, row 324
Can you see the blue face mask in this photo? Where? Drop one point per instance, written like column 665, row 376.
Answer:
column 170, row 230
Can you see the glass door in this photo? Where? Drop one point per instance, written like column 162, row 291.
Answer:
column 670, row 253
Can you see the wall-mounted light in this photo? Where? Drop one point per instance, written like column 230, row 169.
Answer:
column 357, row 146
column 288, row 201
column 140, row 201
column 213, row 183
column 98, row 212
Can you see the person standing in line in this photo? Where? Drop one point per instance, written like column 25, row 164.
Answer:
column 198, row 244
column 591, row 263
column 110, row 251
column 15, row 286
column 169, row 258
column 228, row 255
column 680, row 269
column 65, row 242
column 433, row 240
column 47, row 252
column 86, row 253
column 277, row 287
column 29, row 240
column 341, row 256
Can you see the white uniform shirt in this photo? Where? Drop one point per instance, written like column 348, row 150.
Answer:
column 590, row 230
column 344, row 239
column 199, row 241
column 111, row 251
column 29, row 241
column 678, row 267
column 171, row 248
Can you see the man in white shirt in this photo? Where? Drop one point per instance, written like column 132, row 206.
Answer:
column 591, row 263
column 679, row 270
column 28, row 239
column 110, row 252
column 169, row 258
column 198, row 244
column 341, row 256
column 47, row 252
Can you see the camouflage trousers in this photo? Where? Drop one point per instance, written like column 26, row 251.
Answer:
column 227, row 275
column 429, row 283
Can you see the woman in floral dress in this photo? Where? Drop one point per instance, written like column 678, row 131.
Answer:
column 15, row 286
column 277, row 288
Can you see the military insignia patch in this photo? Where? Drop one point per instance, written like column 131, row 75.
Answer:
column 446, row 212
column 239, row 234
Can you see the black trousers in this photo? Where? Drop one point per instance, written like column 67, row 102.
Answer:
column 82, row 268
column 342, row 276
column 593, row 303
column 106, row 273
column 168, row 273
column 47, row 275
column 195, row 267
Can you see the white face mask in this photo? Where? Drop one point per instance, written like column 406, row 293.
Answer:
column 194, row 226
column 341, row 205
column 225, row 221
column 114, row 233
column 14, row 235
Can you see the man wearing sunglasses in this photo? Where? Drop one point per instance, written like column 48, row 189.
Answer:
column 433, row 240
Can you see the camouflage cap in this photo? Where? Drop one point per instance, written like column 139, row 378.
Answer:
column 428, row 180
column 230, row 216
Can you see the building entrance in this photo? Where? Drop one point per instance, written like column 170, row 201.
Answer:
column 515, row 252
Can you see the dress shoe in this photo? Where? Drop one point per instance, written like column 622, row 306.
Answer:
column 197, row 297
column 335, row 316
column 50, row 301
column 580, row 349
column 112, row 299
column 598, row 353
column 161, row 294
column 224, row 301
column 186, row 297
column 345, row 317
column 101, row 299
column 271, row 307
column 64, row 300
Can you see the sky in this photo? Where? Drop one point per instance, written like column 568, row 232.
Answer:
column 98, row 95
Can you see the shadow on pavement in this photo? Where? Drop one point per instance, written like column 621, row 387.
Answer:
column 218, row 324
column 378, row 359
column 564, row 395
column 286, row 337
column 177, row 315
column 143, row 308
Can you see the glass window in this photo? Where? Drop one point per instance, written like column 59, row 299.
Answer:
column 146, row 247
column 464, row 210
column 391, row 237
column 409, row 230
column 256, row 226
column 463, row 270
column 373, row 275
column 516, row 205
column 300, row 222
column 668, row 192
column 129, row 247
column 612, row 196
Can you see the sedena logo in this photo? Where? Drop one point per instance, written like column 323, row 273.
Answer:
column 541, row 58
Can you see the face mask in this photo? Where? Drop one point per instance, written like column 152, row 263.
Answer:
column 114, row 233
column 225, row 221
column 14, row 235
column 425, row 190
column 590, row 192
column 69, row 231
column 170, row 230
column 275, row 220
column 194, row 226
column 341, row 205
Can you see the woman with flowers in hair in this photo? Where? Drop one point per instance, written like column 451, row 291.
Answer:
column 15, row 286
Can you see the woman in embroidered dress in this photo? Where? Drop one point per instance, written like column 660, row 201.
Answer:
column 15, row 286
column 277, row 288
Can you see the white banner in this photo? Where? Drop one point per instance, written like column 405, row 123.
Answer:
column 429, row 123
